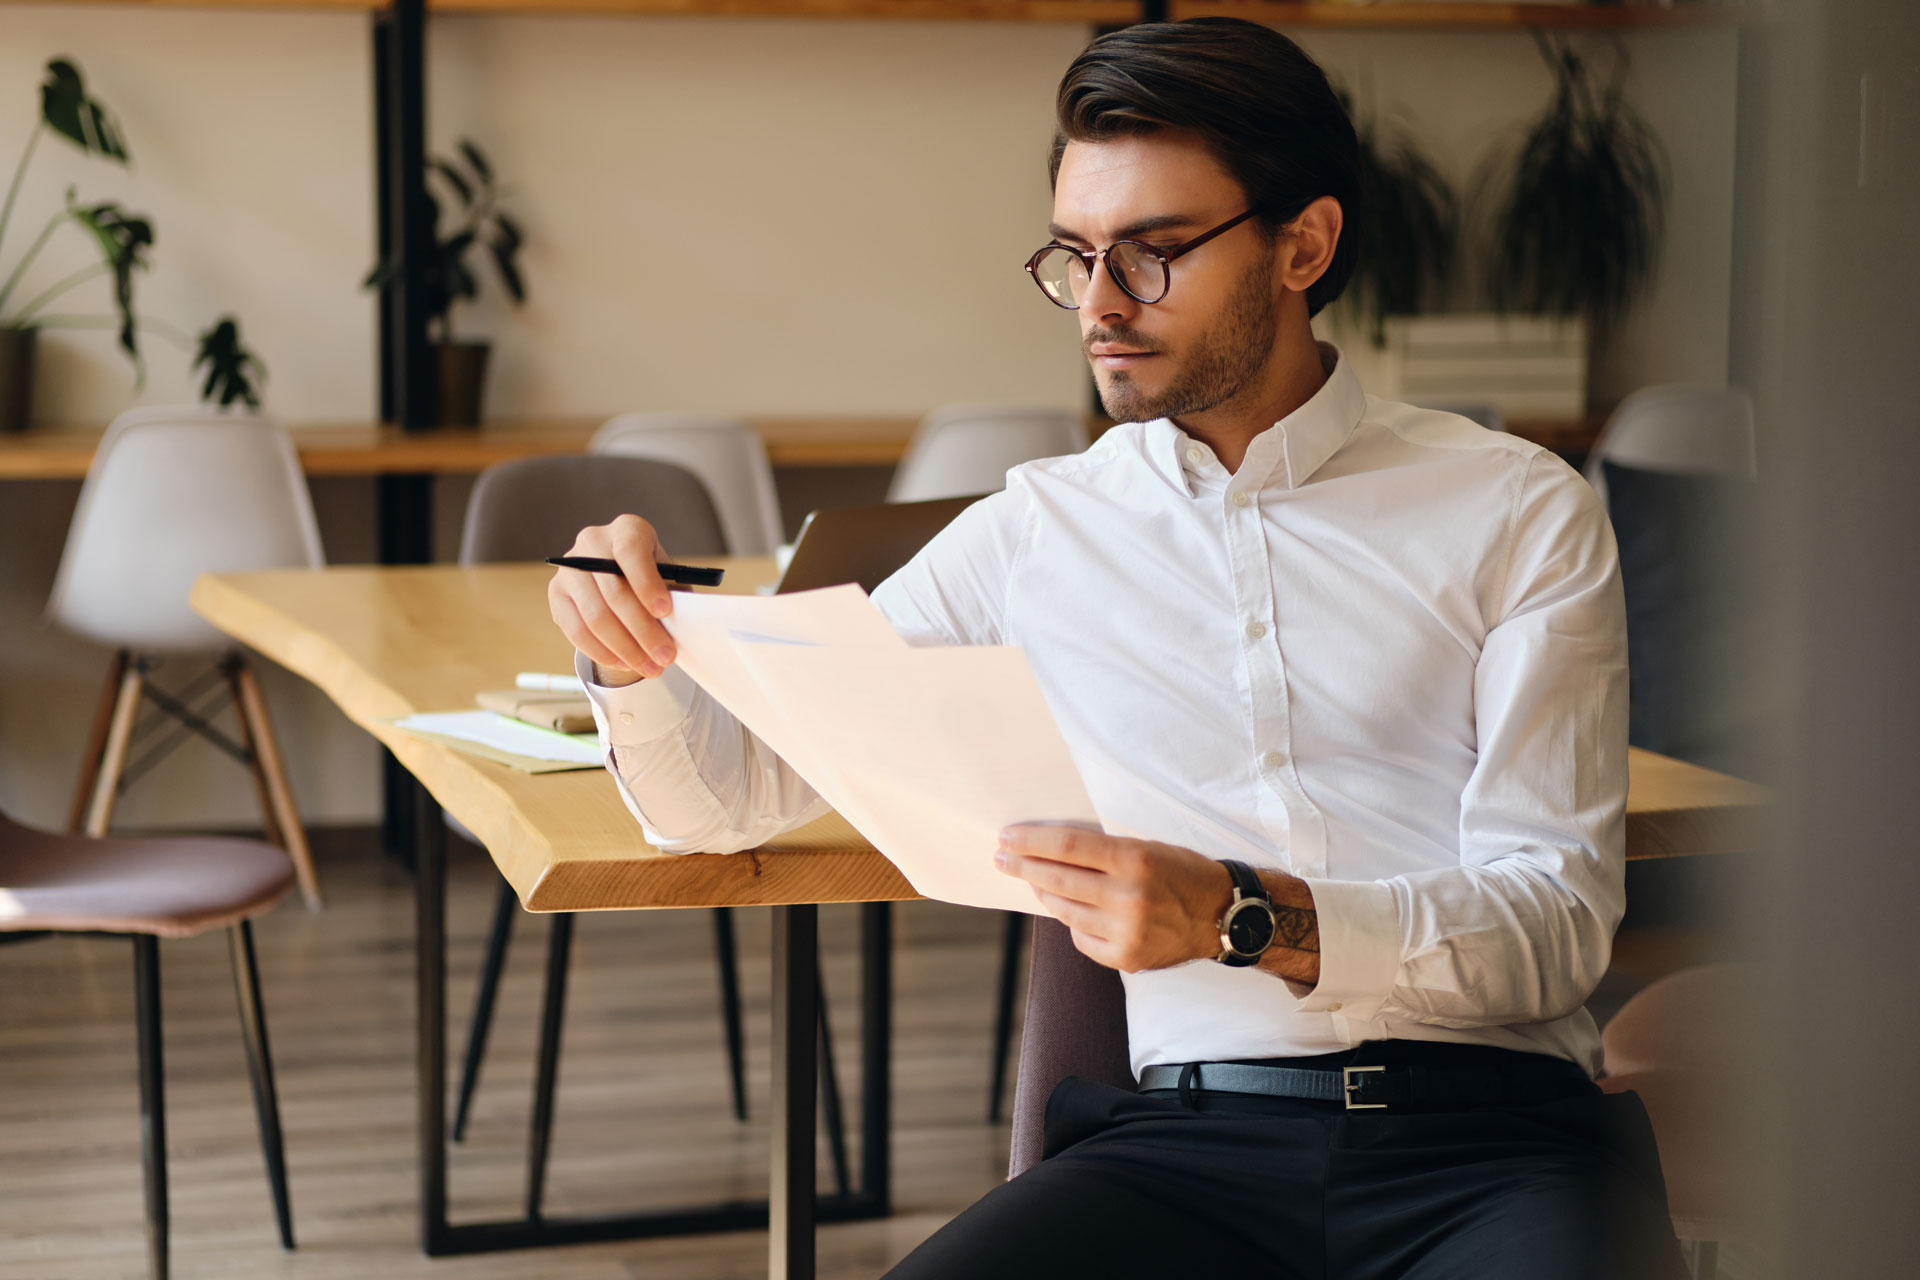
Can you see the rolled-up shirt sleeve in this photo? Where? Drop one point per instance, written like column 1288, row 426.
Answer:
column 1522, row 929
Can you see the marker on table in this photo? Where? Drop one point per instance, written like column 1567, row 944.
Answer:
column 685, row 574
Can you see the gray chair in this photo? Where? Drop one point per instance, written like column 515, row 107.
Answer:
column 526, row 510
column 152, row 888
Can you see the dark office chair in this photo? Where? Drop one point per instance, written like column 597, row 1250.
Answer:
column 1076, row 1025
column 524, row 511
column 152, row 888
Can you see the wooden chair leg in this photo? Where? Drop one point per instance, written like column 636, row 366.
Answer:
column 266, row 1101
column 96, row 742
column 279, row 809
column 481, row 1024
column 153, row 1110
column 113, row 760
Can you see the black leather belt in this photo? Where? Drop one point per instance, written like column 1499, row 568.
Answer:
column 1374, row 1088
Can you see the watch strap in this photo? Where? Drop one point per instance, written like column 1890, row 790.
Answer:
column 1245, row 881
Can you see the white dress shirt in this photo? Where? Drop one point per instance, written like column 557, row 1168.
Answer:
column 1387, row 655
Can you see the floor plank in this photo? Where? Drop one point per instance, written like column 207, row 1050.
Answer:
column 643, row 1115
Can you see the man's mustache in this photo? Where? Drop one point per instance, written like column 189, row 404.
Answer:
column 1122, row 337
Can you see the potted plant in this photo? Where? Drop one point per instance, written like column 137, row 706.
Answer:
column 462, row 365
column 1408, row 226
column 1579, row 215
column 122, row 239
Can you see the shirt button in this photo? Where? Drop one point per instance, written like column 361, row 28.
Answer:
column 626, row 717
column 1196, row 454
column 1335, row 1007
column 1273, row 759
column 1240, row 499
column 1255, row 630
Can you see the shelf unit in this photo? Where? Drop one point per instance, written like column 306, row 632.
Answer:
column 1444, row 15
column 1440, row 15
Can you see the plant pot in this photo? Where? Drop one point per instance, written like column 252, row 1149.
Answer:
column 462, row 370
column 16, row 378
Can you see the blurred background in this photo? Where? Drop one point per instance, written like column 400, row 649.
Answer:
column 810, row 216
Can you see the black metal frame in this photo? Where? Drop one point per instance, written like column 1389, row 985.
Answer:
column 793, row 1207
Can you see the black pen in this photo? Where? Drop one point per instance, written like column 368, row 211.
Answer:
column 685, row 574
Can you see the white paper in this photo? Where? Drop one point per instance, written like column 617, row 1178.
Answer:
column 504, row 733
column 927, row 752
column 702, row 628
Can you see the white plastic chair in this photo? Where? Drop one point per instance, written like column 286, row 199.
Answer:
column 727, row 455
column 969, row 448
column 1684, row 430
column 172, row 493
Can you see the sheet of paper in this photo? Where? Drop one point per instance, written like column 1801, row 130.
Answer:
column 503, row 733
column 928, row 752
column 703, row 627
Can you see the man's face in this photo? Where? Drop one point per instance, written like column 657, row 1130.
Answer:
column 1212, row 335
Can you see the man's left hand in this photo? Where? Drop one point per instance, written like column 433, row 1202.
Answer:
column 1131, row 904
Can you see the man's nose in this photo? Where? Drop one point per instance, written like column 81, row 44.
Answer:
column 1105, row 302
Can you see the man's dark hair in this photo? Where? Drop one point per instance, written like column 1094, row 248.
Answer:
column 1264, row 109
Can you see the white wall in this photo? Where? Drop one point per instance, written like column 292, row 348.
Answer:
column 746, row 215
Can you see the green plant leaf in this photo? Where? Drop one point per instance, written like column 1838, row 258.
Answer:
column 227, row 361
column 123, row 240
column 505, row 251
column 69, row 112
column 1406, row 225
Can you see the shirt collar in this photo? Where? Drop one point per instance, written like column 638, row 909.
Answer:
column 1287, row 453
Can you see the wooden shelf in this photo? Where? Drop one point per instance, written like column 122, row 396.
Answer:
column 1447, row 16
column 1070, row 11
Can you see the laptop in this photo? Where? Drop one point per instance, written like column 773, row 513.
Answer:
column 864, row 544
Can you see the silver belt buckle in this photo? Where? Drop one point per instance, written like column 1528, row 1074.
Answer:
column 1352, row 1086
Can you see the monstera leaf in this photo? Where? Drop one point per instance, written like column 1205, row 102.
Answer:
column 69, row 112
column 124, row 240
column 227, row 363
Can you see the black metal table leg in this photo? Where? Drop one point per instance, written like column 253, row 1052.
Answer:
column 430, row 964
column 546, row 1076
column 153, row 1106
column 796, row 940
column 876, row 1056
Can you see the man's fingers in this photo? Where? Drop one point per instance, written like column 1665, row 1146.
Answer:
column 639, row 623
column 632, row 543
column 1077, row 916
column 600, row 622
column 581, row 637
column 1062, row 879
column 1060, row 843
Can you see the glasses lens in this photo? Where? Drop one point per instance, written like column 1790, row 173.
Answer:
column 1062, row 274
column 1140, row 271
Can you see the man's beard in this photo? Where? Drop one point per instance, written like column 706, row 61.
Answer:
column 1225, row 359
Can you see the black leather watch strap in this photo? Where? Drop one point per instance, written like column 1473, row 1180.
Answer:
column 1245, row 880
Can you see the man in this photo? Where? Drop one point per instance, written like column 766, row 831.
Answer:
column 1371, row 658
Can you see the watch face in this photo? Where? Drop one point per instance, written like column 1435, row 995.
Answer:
column 1250, row 927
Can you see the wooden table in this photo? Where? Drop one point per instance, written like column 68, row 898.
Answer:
column 384, row 642
column 365, row 449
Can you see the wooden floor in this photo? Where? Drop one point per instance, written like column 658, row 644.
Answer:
column 643, row 1113
column 643, row 1108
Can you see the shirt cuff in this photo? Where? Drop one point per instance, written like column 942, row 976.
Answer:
column 631, row 715
column 1359, row 948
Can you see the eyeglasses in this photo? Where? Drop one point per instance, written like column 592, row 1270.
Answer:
column 1142, row 271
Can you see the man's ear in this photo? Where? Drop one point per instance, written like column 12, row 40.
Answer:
column 1306, row 250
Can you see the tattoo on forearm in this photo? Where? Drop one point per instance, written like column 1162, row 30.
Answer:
column 1297, row 928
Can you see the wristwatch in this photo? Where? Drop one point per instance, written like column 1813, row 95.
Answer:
column 1247, row 928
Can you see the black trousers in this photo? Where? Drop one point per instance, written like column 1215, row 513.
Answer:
column 1235, row 1187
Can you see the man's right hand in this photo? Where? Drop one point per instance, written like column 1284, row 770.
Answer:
column 615, row 621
